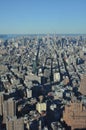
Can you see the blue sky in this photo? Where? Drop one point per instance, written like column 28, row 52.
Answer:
column 42, row 16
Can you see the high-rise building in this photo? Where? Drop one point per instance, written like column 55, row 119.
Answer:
column 41, row 107
column 34, row 70
column 14, row 124
column 9, row 109
column 1, row 103
column 29, row 93
column 56, row 77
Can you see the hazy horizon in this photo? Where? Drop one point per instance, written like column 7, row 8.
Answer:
column 43, row 17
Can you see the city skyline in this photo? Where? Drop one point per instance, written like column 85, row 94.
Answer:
column 38, row 17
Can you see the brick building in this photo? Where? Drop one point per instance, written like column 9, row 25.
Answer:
column 74, row 115
column 83, row 85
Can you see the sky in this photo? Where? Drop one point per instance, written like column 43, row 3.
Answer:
column 42, row 16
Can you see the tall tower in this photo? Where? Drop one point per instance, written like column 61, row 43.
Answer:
column 34, row 68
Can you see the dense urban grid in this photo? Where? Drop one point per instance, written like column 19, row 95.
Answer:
column 43, row 82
